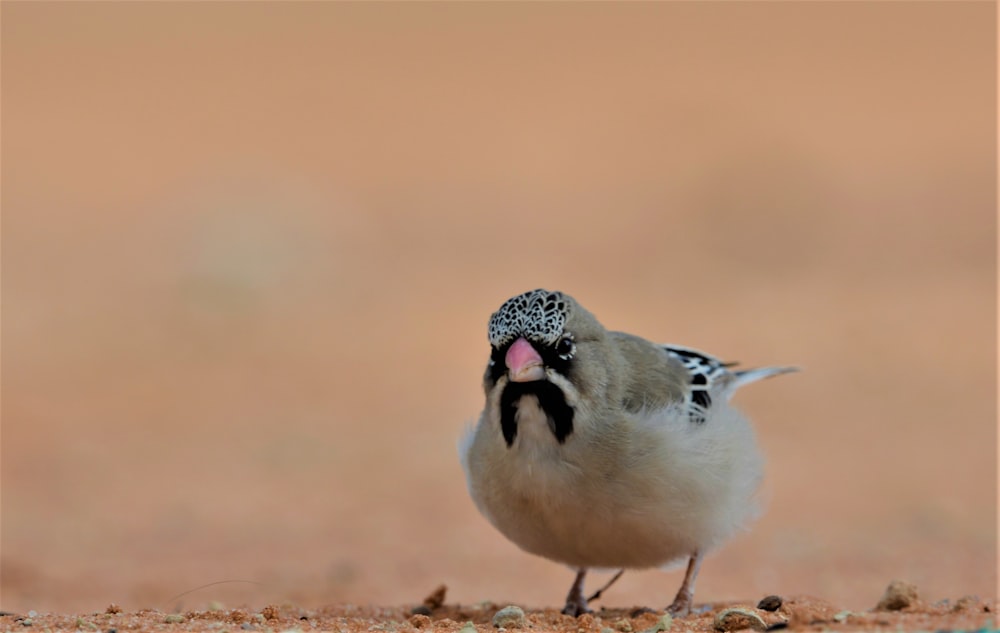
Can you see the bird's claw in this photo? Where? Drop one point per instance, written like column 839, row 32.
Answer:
column 576, row 609
column 680, row 607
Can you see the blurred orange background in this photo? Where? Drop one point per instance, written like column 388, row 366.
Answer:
column 250, row 249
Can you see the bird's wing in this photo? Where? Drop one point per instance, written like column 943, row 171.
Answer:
column 708, row 376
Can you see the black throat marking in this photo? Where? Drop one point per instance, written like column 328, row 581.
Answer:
column 551, row 401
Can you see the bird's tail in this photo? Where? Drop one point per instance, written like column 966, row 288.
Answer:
column 747, row 376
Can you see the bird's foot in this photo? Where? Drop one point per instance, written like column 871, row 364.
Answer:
column 576, row 602
column 597, row 594
column 681, row 606
column 576, row 609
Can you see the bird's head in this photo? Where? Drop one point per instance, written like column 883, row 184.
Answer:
column 545, row 344
column 536, row 331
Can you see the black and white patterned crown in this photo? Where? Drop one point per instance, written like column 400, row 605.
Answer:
column 539, row 315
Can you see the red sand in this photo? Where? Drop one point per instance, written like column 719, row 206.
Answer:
column 250, row 250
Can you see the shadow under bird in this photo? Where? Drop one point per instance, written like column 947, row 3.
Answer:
column 600, row 449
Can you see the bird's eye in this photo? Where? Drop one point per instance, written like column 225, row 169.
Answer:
column 565, row 348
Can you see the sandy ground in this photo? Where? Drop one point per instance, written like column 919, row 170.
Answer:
column 802, row 613
column 249, row 253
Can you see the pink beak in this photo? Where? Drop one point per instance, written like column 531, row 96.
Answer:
column 523, row 362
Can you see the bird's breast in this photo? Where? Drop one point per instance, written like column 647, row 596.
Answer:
column 527, row 403
column 550, row 503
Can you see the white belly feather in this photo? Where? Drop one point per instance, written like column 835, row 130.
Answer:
column 655, row 487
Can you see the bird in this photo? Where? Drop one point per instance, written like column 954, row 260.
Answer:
column 599, row 449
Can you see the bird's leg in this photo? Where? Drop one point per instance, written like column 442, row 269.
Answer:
column 685, row 595
column 576, row 602
column 597, row 594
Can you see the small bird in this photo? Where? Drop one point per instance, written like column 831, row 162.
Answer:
column 600, row 449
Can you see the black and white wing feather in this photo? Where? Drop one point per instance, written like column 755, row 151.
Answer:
column 712, row 378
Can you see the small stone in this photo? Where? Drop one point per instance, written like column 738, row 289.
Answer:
column 32, row 614
column 270, row 612
column 898, row 595
column 607, row 629
column 966, row 603
column 26, row 622
column 510, row 617
column 663, row 624
column 738, row 618
column 113, row 608
column 436, row 598
column 420, row 620
column 842, row 616
column 623, row 625
column 769, row 603
column 246, row 626
column 174, row 618
column 468, row 627
column 421, row 610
